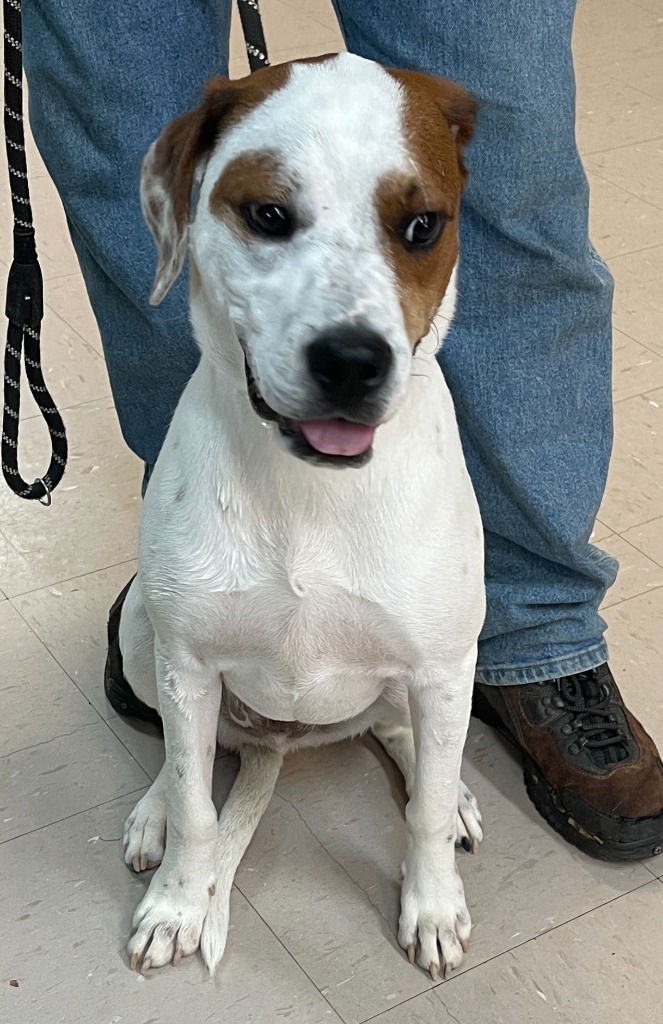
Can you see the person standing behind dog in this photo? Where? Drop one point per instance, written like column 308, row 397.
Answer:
column 528, row 358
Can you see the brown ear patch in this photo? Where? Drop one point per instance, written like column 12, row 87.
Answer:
column 426, row 98
column 193, row 135
column 170, row 166
column 438, row 120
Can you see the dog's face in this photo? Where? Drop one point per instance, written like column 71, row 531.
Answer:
column 326, row 229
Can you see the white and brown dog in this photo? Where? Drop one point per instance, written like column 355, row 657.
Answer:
column 311, row 561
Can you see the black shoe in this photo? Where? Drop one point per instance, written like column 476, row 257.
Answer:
column 120, row 695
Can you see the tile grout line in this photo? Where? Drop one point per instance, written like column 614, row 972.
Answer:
column 288, row 952
column 67, row 817
column 69, row 579
column 614, row 149
column 616, row 184
column 534, row 938
column 60, row 736
column 631, row 252
column 73, row 681
column 643, row 344
column 651, row 559
column 352, row 881
column 631, row 597
column 635, row 526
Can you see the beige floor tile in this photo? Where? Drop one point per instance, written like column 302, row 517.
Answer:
column 614, row 30
column 356, row 812
column 637, row 573
column 642, row 71
column 73, row 371
column 63, row 776
column 634, row 493
column 635, row 369
column 143, row 741
column 590, row 971
column 639, row 170
column 638, row 307
column 67, row 297
column 600, row 532
column 621, row 223
column 324, row 918
column 296, row 34
column 70, row 620
column 423, row 1009
column 610, row 113
column 321, row 11
column 38, row 700
column 65, row 927
column 92, row 522
column 634, row 638
column 648, row 539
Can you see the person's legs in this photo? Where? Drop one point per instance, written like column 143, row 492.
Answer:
column 528, row 358
column 104, row 80
column 528, row 361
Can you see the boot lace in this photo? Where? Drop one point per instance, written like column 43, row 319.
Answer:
column 589, row 699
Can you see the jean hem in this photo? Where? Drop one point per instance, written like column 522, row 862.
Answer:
column 566, row 665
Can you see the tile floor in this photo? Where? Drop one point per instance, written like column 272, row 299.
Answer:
column 558, row 937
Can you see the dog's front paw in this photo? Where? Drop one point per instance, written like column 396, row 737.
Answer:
column 145, row 833
column 469, row 831
column 435, row 925
column 169, row 920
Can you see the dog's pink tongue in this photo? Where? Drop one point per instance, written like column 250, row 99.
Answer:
column 337, row 437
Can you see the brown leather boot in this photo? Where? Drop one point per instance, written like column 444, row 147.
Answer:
column 590, row 768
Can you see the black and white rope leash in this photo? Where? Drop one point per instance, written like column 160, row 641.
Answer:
column 256, row 49
column 25, row 303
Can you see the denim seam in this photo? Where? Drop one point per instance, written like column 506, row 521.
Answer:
column 506, row 675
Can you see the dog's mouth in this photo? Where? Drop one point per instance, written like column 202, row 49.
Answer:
column 335, row 441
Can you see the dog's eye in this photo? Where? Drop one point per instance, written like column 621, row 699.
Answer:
column 422, row 230
column 269, row 220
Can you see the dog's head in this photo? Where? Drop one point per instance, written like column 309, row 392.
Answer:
column 325, row 229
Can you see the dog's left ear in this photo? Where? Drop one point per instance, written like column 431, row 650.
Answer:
column 459, row 108
column 429, row 95
column 168, row 175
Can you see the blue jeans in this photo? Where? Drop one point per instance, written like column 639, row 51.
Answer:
column 528, row 359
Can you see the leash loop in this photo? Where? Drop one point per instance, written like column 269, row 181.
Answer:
column 24, row 306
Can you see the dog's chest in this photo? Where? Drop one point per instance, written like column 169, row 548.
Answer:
column 301, row 627
column 314, row 654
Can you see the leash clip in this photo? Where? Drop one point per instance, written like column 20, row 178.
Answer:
column 45, row 499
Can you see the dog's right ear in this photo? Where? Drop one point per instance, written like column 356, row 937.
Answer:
column 170, row 169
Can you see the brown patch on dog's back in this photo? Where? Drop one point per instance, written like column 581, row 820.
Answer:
column 438, row 121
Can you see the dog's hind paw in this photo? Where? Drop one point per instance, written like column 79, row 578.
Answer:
column 469, row 831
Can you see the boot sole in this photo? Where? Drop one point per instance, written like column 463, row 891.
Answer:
column 548, row 802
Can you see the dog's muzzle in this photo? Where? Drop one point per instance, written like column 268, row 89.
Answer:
column 348, row 366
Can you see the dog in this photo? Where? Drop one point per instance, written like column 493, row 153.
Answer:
column 310, row 557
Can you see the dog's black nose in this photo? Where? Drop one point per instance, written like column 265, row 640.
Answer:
column 349, row 363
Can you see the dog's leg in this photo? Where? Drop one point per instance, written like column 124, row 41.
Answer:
column 239, row 818
column 169, row 920
column 145, row 829
column 435, row 923
column 393, row 730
